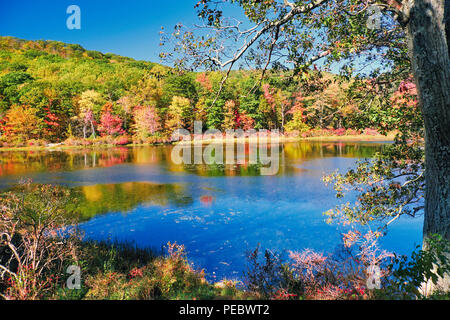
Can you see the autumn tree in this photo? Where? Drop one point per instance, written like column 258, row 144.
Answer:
column 231, row 115
column 245, row 121
column 110, row 124
column 21, row 124
column 90, row 105
column 146, row 121
column 204, row 82
column 298, row 112
column 179, row 114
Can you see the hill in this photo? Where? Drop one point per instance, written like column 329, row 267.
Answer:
column 52, row 92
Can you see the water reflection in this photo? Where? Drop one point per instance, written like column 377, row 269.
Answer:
column 217, row 211
column 25, row 162
column 104, row 198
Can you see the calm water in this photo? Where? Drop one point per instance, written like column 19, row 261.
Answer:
column 218, row 212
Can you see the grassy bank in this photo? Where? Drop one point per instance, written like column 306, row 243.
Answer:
column 122, row 271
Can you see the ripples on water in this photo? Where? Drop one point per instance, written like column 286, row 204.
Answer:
column 217, row 211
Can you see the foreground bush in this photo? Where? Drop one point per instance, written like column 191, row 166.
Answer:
column 36, row 239
column 160, row 277
column 347, row 273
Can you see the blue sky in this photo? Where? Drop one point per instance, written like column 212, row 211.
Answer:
column 125, row 27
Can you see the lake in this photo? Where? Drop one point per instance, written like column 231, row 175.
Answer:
column 217, row 211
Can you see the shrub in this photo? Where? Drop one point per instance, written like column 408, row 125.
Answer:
column 265, row 275
column 352, row 132
column 412, row 276
column 122, row 140
column 110, row 124
column 340, row 131
column 35, row 240
column 311, row 275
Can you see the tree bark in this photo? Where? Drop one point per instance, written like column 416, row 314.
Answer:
column 431, row 67
column 428, row 30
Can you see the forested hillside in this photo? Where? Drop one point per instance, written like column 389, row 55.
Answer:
column 54, row 92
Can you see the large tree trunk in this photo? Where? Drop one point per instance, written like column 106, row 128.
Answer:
column 431, row 66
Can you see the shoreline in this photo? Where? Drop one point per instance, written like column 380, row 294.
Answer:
column 344, row 138
column 337, row 139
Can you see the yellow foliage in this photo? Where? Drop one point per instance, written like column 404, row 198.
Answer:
column 179, row 112
column 22, row 123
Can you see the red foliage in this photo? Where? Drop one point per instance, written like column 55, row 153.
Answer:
column 268, row 95
column 283, row 295
column 204, row 81
column 50, row 118
column 370, row 132
column 110, row 124
column 206, row 200
column 244, row 121
column 146, row 120
column 298, row 105
column 136, row 273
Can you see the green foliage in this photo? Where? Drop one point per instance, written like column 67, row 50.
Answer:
column 410, row 274
column 266, row 274
column 15, row 78
column 181, row 86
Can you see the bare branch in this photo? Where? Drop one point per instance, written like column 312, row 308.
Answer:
column 296, row 10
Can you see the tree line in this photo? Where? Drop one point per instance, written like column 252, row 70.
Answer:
column 52, row 92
